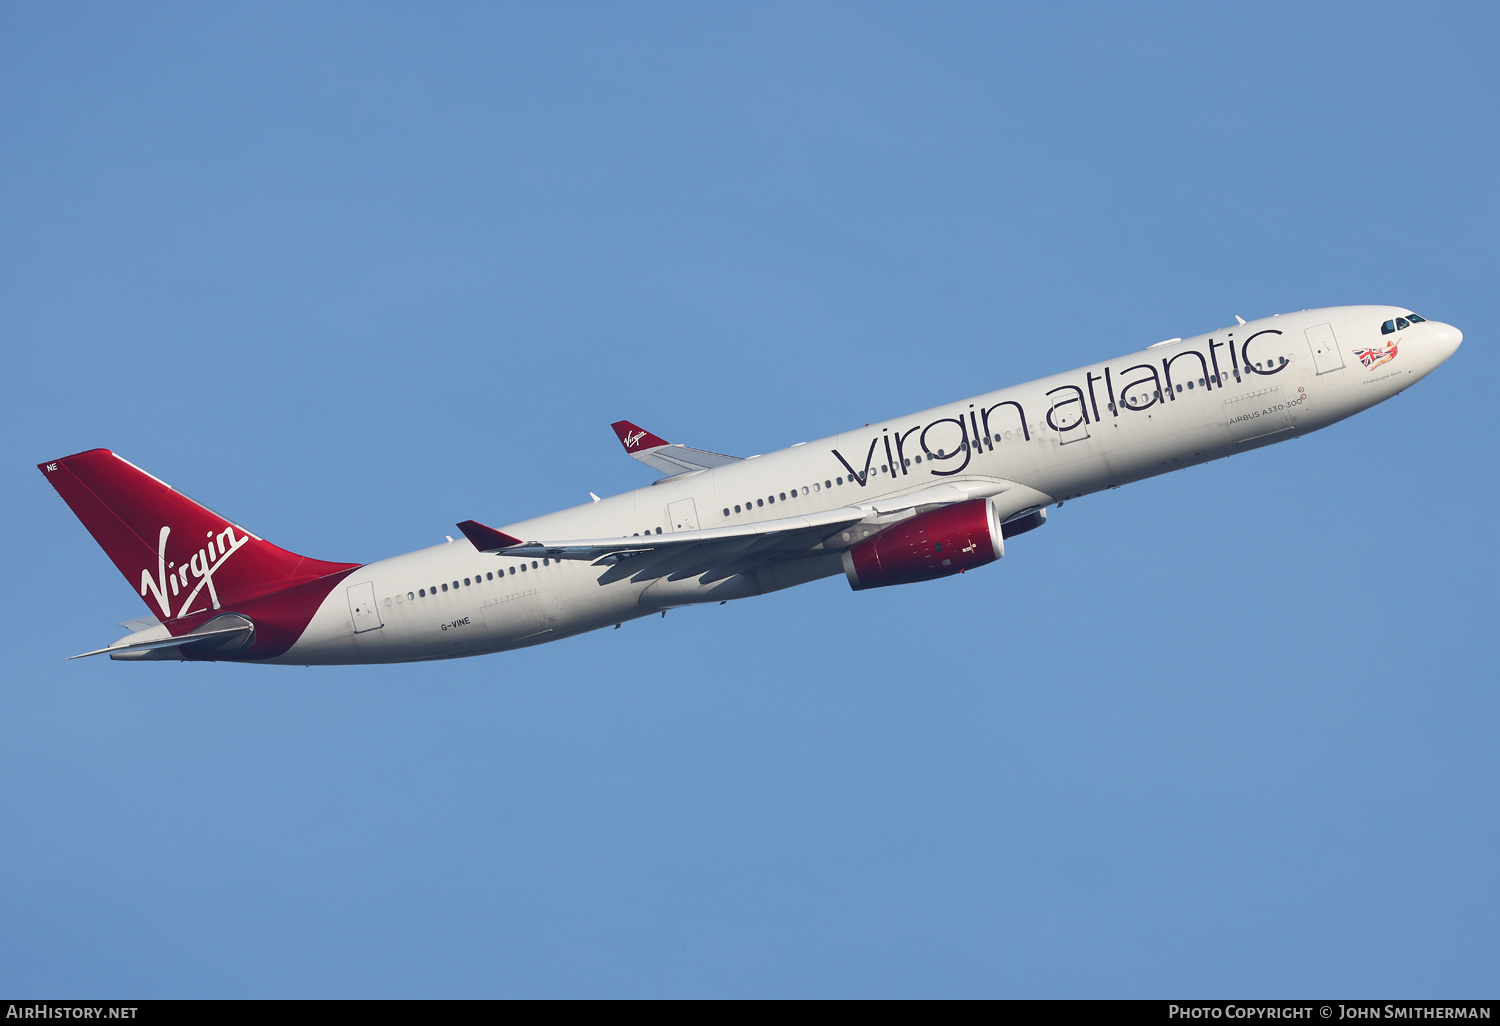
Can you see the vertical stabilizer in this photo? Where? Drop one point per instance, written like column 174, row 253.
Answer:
column 181, row 557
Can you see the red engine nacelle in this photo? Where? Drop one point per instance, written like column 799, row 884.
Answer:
column 930, row 545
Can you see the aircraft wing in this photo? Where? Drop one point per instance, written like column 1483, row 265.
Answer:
column 783, row 534
column 487, row 539
column 663, row 456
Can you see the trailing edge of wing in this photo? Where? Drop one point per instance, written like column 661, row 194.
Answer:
column 663, row 456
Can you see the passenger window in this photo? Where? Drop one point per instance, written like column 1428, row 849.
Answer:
column 783, row 496
column 771, row 499
column 489, row 577
column 919, row 459
column 523, row 568
column 726, row 511
column 422, row 592
column 1402, row 322
column 839, row 480
column 513, row 571
column 533, row 564
column 455, row 585
column 736, row 507
column 1388, row 327
column 804, row 489
column 1179, row 388
column 817, row 487
column 445, row 587
column 827, row 484
column 760, row 502
column 409, row 596
column 466, row 583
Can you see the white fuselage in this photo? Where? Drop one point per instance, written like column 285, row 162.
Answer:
column 1164, row 408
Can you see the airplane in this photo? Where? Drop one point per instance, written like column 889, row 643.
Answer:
column 907, row 500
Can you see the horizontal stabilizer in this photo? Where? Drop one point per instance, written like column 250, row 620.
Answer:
column 224, row 633
column 663, row 456
column 486, row 539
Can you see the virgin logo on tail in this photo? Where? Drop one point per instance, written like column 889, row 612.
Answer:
column 200, row 568
column 633, row 439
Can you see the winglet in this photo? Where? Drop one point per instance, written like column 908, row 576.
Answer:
column 636, row 439
column 486, row 539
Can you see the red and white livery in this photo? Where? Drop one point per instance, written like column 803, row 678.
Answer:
column 909, row 499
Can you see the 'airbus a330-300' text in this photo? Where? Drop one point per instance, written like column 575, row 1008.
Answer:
column 907, row 500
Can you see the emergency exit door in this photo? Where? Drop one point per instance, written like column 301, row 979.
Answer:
column 362, row 608
column 683, row 515
column 1325, row 348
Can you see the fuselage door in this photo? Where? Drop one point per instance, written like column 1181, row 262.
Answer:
column 1325, row 348
column 1069, row 419
column 362, row 608
column 682, row 515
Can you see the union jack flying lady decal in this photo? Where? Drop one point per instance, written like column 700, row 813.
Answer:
column 1373, row 358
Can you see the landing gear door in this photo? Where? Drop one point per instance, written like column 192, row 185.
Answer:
column 1325, row 348
column 683, row 515
column 362, row 608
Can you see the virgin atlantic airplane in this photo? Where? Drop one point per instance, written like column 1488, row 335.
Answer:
column 908, row 500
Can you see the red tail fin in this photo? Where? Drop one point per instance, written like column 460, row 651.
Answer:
column 182, row 557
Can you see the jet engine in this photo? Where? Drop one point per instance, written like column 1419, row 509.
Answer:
column 938, row 543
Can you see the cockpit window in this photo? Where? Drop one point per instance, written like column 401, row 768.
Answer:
column 1400, row 322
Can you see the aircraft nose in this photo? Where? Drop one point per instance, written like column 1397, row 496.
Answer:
column 1446, row 338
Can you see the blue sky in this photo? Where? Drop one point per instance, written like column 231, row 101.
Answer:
column 351, row 274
